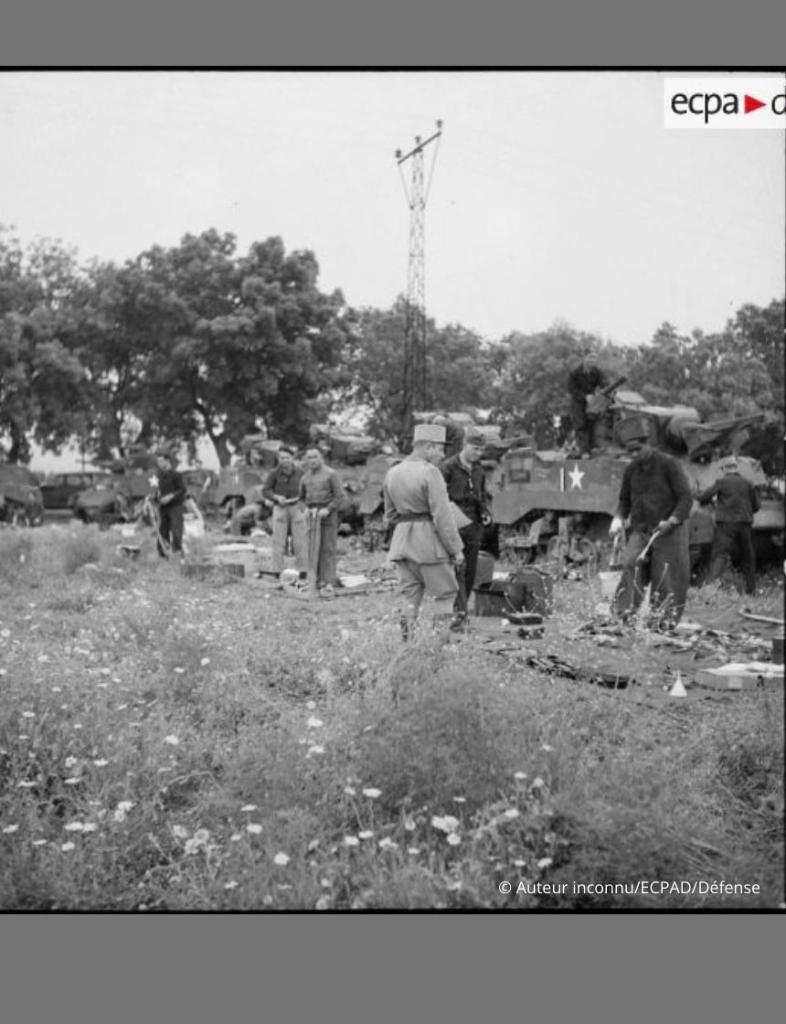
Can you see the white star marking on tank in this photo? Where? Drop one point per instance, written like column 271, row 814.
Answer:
column 576, row 475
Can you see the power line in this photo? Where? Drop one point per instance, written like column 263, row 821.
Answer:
column 415, row 384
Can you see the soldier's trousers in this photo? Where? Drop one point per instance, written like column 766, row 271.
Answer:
column 734, row 541
column 170, row 526
column 289, row 519
column 666, row 571
column 470, row 538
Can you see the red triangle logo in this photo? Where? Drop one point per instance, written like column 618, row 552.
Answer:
column 751, row 103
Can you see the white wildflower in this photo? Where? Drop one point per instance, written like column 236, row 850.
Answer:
column 253, row 828
column 101, row 762
column 172, row 740
column 544, row 862
column 67, row 846
column 511, row 814
column 74, row 826
column 445, row 823
column 314, row 723
column 387, row 844
column 372, row 793
column 454, row 839
column 10, row 829
column 351, row 841
column 248, row 808
column 366, row 834
column 316, row 748
column 281, row 859
column 231, row 885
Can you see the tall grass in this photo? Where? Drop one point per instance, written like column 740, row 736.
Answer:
column 192, row 746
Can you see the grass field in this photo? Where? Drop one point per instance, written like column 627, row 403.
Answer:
column 178, row 744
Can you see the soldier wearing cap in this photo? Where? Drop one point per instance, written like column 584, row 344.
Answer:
column 171, row 496
column 655, row 498
column 466, row 484
column 425, row 544
column 736, row 503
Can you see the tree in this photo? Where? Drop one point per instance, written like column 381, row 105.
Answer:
column 532, row 388
column 458, row 370
column 41, row 378
column 194, row 340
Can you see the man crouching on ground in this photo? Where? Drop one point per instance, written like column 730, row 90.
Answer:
column 426, row 545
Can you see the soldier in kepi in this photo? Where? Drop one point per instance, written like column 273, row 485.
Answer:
column 736, row 503
column 655, row 498
column 426, row 545
column 583, row 382
column 320, row 489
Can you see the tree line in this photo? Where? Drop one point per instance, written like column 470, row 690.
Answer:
column 199, row 340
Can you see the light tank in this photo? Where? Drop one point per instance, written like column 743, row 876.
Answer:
column 549, row 505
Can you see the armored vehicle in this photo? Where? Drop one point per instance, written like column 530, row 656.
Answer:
column 548, row 505
column 21, row 501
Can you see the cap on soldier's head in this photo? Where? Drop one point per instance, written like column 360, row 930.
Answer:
column 632, row 428
column 474, row 436
column 429, row 432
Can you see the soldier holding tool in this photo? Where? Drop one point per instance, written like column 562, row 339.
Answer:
column 320, row 489
column 426, row 545
column 170, row 499
column 656, row 498
column 282, row 491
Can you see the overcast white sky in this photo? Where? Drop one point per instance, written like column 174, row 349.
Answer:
column 553, row 195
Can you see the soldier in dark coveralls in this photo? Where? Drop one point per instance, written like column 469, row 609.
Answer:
column 171, row 499
column 655, row 496
column 583, row 381
column 736, row 503
column 465, row 480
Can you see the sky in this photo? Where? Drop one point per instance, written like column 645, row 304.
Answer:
column 552, row 195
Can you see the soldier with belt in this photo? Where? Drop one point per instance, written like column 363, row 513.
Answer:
column 320, row 489
column 426, row 545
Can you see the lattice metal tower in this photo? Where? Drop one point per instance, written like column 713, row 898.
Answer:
column 415, row 383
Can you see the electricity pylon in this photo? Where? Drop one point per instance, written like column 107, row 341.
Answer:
column 415, row 383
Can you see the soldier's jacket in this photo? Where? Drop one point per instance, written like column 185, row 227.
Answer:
column 415, row 487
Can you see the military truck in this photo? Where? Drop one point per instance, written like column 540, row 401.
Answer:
column 21, row 501
column 550, row 506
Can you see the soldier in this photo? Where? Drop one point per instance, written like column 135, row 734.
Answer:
column 736, row 503
column 282, row 491
column 655, row 495
column 583, row 381
column 320, row 488
column 426, row 545
column 171, row 496
column 466, row 485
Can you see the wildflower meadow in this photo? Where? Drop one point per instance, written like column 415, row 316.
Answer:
column 171, row 744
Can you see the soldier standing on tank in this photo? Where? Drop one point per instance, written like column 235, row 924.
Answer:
column 583, row 381
column 736, row 503
column 655, row 497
